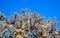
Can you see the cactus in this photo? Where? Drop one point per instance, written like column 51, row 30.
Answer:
column 27, row 25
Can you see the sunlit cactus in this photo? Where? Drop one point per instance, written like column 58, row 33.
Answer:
column 28, row 25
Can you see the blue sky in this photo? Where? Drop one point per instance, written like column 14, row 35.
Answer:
column 48, row 8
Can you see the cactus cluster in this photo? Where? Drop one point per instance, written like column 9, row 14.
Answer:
column 29, row 25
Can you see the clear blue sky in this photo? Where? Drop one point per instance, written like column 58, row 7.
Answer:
column 48, row 8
